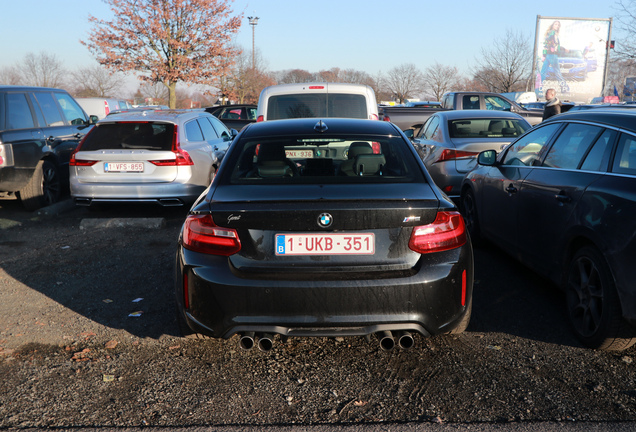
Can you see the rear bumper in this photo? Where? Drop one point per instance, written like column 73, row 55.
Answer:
column 85, row 194
column 222, row 303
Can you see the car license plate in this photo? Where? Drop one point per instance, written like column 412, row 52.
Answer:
column 325, row 244
column 123, row 167
column 299, row 154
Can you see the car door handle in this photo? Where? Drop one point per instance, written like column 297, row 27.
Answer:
column 562, row 197
column 511, row 189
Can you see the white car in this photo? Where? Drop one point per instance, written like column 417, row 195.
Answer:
column 167, row 157
column 101, row 107
column 300, row 100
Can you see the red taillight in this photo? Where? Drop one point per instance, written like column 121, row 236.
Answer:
column 73, row 161
column 377, row 149
column 182, row 157
column 446, row 232
column 464, row 288
column 260, row 118
column 106, row 108
column 450, row 154
column 186, row 293
column 316, row 87
column 386, row 118
column 200, row 234
column 373, row 117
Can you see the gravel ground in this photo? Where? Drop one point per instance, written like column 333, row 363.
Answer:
column 71, row 354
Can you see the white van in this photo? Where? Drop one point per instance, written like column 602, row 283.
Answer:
column 285, row 101
column 100, row 107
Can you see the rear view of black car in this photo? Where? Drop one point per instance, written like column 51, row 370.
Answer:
column 323, row 228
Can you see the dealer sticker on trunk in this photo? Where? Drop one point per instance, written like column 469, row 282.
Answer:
column 325, row 244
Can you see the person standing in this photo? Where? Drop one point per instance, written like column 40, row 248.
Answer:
column 553, row 104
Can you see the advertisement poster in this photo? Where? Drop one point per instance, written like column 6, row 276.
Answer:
column 570, row 57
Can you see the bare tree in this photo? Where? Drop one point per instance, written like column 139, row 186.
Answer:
column 625, row 23
column 404, row 81
column 247, row 78
column 96, row 81
column 356, row 77
column 296, row 76
column 619, row 70
column 153, row 94
column 42, row 70
column 505, row 67
column 10, row 75
column 439, row 79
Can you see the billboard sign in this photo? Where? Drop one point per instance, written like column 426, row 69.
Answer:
column 570, row 55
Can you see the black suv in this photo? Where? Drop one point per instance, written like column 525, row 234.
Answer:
column 39, row 129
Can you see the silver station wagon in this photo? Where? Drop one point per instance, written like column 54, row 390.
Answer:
column 167, row 157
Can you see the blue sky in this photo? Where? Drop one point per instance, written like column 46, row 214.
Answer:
column 371, row 35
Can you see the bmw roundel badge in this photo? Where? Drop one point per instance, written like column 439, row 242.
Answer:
column 324, row 220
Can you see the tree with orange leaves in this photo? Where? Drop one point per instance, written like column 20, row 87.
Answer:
column 167, row 41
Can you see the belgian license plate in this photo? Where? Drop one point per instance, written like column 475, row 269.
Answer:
column 325, row 244
column 123, row 167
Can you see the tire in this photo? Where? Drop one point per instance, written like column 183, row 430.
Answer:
column 463, row 324
column 469, row 211
column 44, row 187
column 593, row 305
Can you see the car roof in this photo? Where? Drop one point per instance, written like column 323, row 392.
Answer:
column 153, row 115
column 624, row 118
column 29, row 88
column 318, row 87
column 307, row 125
column 477, row 114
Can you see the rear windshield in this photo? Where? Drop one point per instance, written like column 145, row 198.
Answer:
column 311, row 160
column 130, row 135
column 317, row 105
column 486, row 128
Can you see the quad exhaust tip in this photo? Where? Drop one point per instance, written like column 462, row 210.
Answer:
column 265, row 341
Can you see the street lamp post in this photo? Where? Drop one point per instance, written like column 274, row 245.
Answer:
column 253, row 23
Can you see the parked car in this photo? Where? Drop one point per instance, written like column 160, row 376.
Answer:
column 322, row 100
column 602, row 105
column 449, row 142
column 166, row 156
column 327, row 227
column 424, row 104
column 234, row 116
column 605, row 100
column 101, row 107
column 39, row 129
column 572, row 64
column 561, row 199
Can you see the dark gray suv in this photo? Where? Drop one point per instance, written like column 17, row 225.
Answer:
column 39, row 129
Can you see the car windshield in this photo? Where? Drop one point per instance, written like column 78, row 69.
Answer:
column 486, row 128
column 130, row 135
column 311, row 160
column 317, row 105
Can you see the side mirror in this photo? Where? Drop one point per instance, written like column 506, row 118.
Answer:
column 93, row 119
column 487, row 158
column 410, row 133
